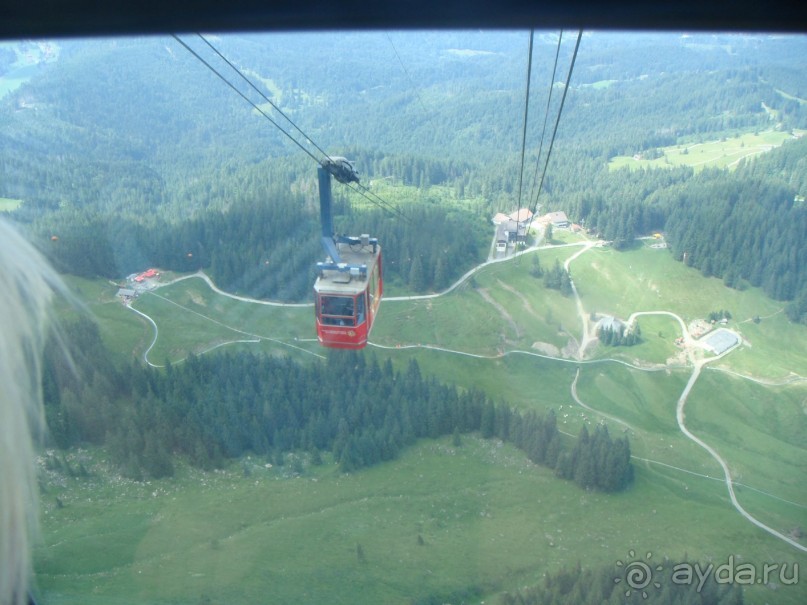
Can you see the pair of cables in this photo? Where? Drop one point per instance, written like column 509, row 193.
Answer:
column 319, row 155
column 532, row 206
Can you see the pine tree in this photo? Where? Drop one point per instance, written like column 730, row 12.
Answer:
column 584, row 471
column 536, row 270
column 441, row 274
column 566, row 284
column 316, row 457
column 417, row 275
column 488, row 423
column 456, row 440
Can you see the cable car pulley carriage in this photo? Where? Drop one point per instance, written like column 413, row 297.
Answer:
column 350, row 283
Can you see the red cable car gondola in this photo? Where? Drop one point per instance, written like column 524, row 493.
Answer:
column 350, row 283
column 347, row 299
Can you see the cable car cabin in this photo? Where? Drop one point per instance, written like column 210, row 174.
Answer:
column 348, row 294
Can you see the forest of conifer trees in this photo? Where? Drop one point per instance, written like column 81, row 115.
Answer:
column 182, row 176
column 221, row 406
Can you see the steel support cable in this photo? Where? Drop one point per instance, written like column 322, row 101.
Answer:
column 384, row 205
column 557, row 121
column 361, row 189
column 369, row 194
column 524, row 129
column 261, row 93
column 245, row 97
column 403, row 67
column 546, row 117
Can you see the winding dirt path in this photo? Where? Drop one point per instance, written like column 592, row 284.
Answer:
column 253, row 338
column 468, row 274
column 153, row 340
column 587, row 338
column 680, row 417
column 203, row 276
column 592, row 410
column 502, row 311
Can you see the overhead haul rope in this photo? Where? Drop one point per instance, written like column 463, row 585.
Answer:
column 557, row 121
column 260, row 92
column 403, row 67
column 245, row 97
column 524, row 130
column 360, row 189
column 546, row 116
column 381, row 203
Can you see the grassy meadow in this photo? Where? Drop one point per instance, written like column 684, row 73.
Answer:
column 449, row 524
column 724, row 153
column 193, row 318
column 762, row 432
column 649, row 279
column 8, row 204
column 438, row 523
column 501, row 307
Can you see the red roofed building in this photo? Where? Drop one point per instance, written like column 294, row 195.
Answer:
column 521, row 216
column 500, row 218
column 556, row 219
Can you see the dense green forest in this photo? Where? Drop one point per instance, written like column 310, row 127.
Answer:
column 261, row 238
column 218, row 407
column 746, row 226
column 130, row 149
